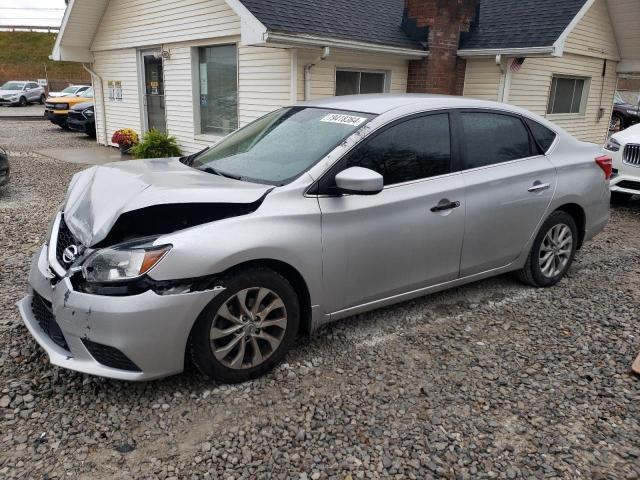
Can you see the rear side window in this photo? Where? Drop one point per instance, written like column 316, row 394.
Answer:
column 492, row 138
column 543, row 135
column 411, row 150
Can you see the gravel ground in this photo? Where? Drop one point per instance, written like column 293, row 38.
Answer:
column 492, row 380
column 33, row 110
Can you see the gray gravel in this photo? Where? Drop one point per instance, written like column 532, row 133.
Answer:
column 33, row 135
column 492, row 380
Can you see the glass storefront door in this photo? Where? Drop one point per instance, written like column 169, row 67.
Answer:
column 153, row 89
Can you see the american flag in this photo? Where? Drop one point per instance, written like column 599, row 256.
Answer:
column 516, row 64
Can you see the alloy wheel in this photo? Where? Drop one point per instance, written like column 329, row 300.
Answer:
column 248, row 328
column 555, row 250
column 616, row 124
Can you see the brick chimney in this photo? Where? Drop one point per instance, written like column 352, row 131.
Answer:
column 442, row 21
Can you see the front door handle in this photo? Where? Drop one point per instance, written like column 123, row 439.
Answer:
column 445, row 205
column 539, row 187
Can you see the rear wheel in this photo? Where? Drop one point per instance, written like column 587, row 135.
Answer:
column 248, row 328
column 552, row 251
column 620, row 198
column 42, row 99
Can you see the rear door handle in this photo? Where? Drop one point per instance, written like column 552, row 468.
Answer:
column 539, row 187
column 445, row 205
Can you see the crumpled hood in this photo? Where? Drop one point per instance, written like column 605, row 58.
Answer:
column 99, row 195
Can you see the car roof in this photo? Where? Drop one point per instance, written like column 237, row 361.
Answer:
column 379, row 103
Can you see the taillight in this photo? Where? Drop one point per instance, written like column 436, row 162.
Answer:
column 606, row 164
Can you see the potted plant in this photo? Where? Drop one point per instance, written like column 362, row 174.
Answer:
column 156, row 144
column 125, row 138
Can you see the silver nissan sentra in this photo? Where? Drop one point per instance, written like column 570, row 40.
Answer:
column 309, row 214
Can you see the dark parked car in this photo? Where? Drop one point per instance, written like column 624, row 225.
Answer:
column 81, row 118
column 4, row 167
column 624, row 114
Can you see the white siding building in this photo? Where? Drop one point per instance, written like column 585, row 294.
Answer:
column 199, row 69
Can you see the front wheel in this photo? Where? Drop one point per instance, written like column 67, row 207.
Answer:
column 248, row 328
column 23, row 101
column 552, row 252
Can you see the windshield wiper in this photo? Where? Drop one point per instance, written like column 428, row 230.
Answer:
column 188, row 159
column 222, row 174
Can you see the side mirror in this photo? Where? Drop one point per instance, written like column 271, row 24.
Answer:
column 359, row 181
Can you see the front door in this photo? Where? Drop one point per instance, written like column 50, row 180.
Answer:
column 153, row 90
column 408, row 236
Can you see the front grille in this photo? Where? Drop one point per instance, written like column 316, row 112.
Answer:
column 631, row 185
column 631, row 155
column 110, row 356
column 42, row 310
column 65, row 239
column 76, row 115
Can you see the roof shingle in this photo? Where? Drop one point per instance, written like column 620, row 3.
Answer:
column 520, row 23
column 371, row 21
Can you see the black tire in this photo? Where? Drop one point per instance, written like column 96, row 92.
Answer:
column 620, row 198
column 617, row 123
column 42, row 99
column 201, row 347
column 531, row 273
column 23, row 101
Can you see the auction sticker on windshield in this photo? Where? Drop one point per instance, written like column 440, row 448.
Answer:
column 344, row 119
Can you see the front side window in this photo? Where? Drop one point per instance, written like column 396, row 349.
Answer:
column 352, row 82
column 411, row 150
column 218, row 78
column 491, row 138
column 568, row 95
column 278, row 147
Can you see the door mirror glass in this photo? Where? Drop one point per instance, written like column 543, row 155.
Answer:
column 359, row 181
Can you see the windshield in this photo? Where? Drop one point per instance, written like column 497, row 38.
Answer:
column 280, row 146
column 88, row 93
column 69, row 90
column 618, row 98
column 12, row 86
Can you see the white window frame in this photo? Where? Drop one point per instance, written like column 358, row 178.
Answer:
column 583, row 101
column 386, row 73
column 195, row 83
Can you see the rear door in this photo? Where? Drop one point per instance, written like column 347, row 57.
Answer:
column 509, row 185
column 404, row 238
column 32, row 92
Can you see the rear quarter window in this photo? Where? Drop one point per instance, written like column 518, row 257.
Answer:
column 544, row 137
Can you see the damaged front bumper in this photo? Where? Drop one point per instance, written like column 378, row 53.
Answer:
column 136, row 337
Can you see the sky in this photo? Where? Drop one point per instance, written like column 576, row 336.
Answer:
column 31, row 12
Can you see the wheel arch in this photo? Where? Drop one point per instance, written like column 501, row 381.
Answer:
column 579, row 216
column 293, row 276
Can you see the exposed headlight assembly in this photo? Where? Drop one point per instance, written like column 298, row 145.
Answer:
column 612, row 145
column 88, row 113
column 123, row 262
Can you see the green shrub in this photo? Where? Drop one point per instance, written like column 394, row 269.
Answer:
column 156, row 144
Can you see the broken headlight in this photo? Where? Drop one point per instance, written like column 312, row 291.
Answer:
column 122, row 262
